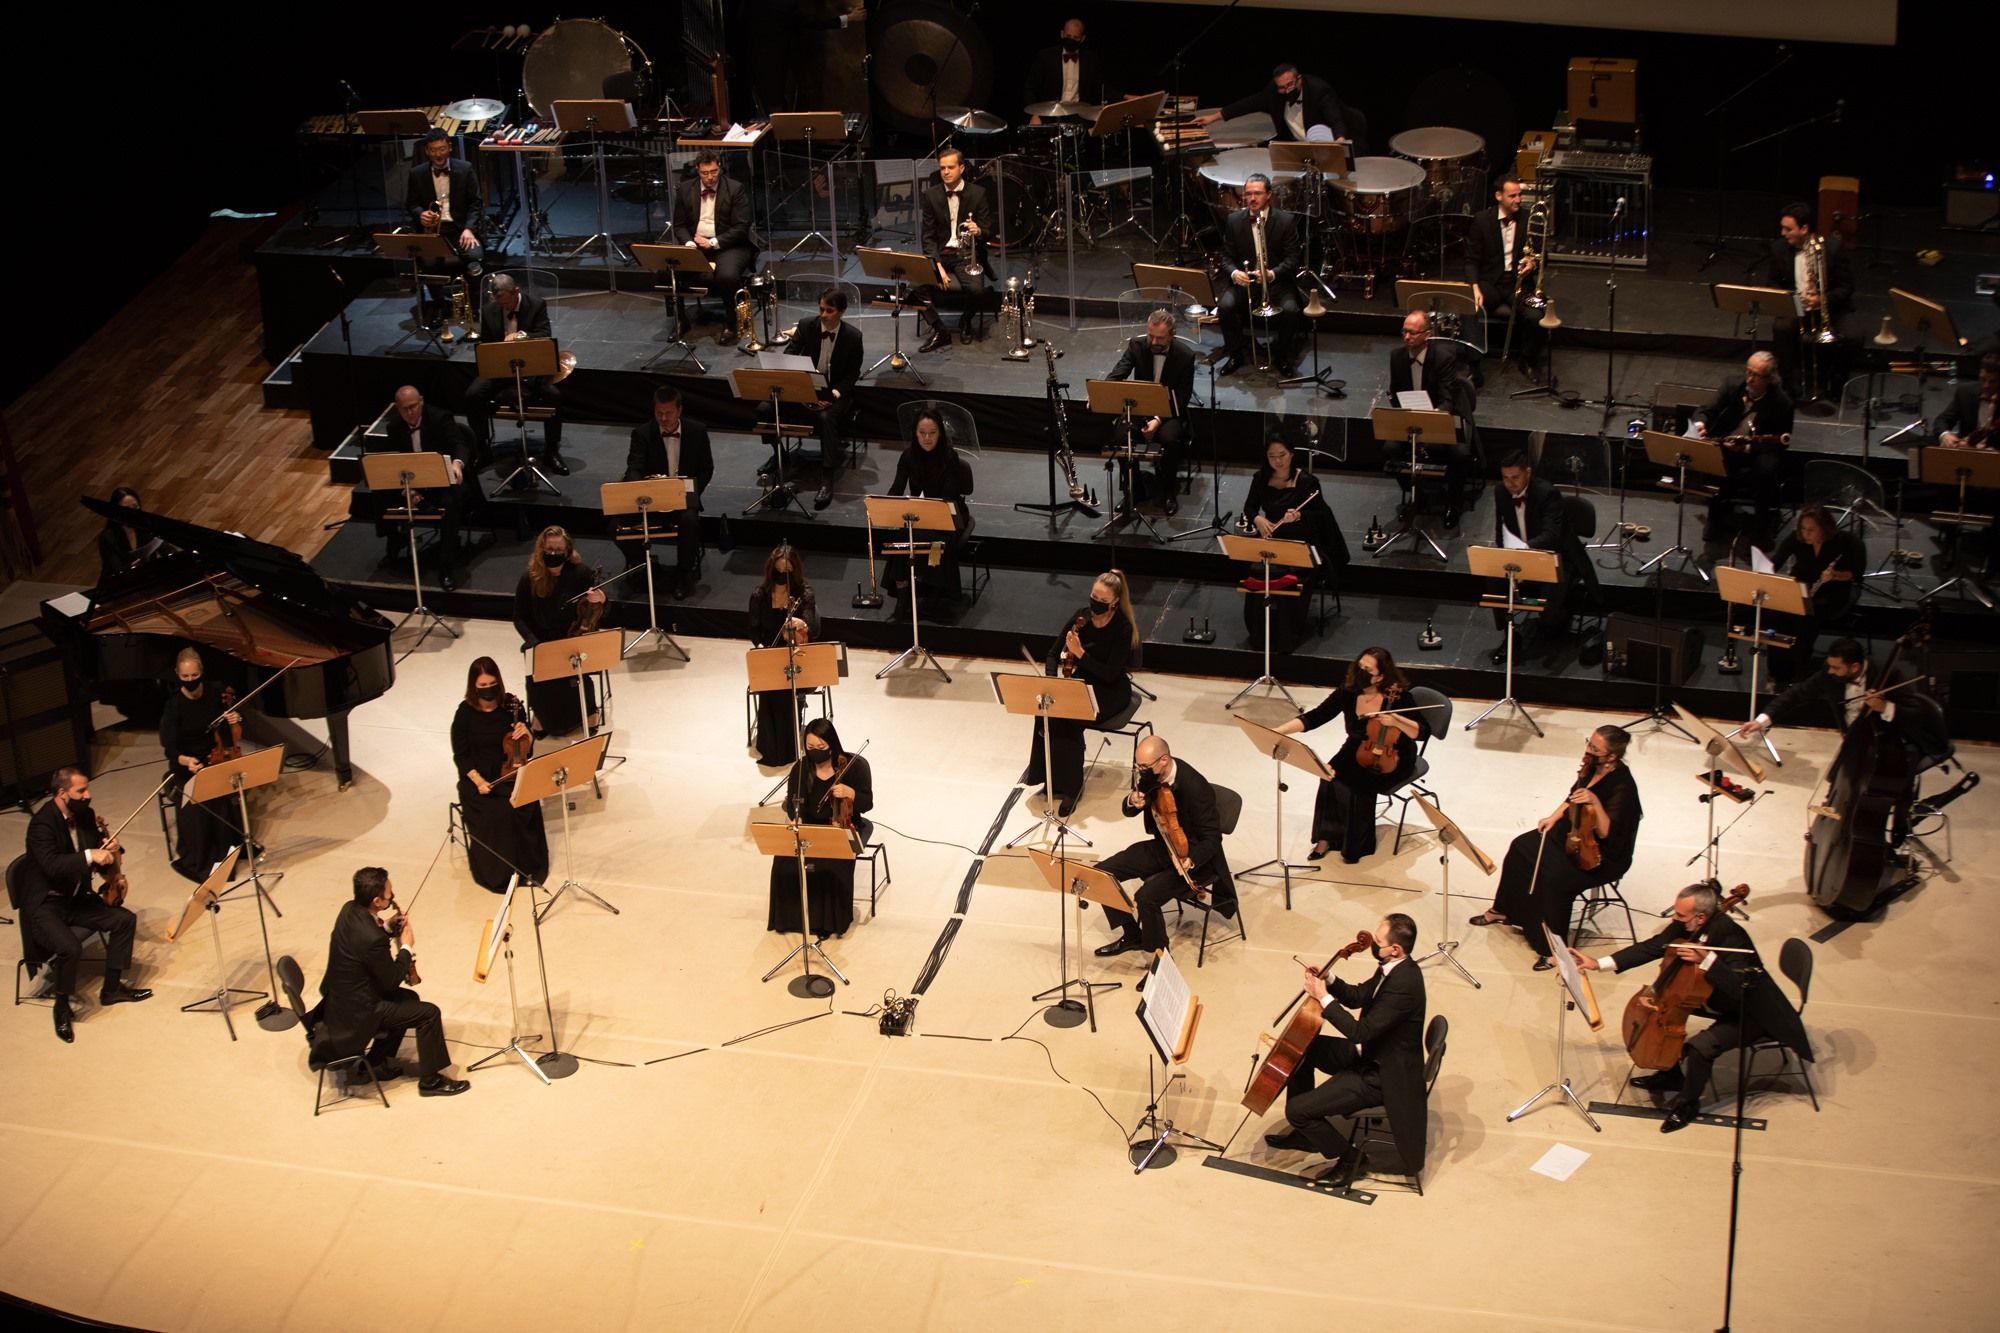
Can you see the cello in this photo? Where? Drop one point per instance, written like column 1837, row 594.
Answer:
column 1288, row 1048
column 1849, row 862
column 1655, row 1022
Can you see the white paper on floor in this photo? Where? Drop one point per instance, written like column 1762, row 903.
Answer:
column 1560, row 1162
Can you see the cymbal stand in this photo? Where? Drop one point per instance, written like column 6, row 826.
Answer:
column 653, row 629
column 916, row 653
column 1508, row 700
column 1266, row 679
column 1447, row 949
column 420, row 613
column 515, row 1036
column 1680, row 546
column 614, row 253
column 1284, row 868
column 1562, row 1083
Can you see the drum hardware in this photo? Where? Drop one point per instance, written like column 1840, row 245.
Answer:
column 1379, row 198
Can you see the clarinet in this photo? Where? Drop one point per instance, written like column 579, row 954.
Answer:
column 1065, row 457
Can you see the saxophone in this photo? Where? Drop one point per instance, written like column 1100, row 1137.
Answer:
column 1065, row 456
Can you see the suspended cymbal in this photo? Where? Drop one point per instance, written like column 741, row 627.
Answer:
column 475, row 108
column 971, row 120
column 1063, row 110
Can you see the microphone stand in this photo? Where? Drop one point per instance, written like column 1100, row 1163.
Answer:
column 1182, row 229
column 1751, row 974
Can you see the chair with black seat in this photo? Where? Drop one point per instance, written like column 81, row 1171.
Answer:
column 1437, row 721
column 319, row 1056
column 1597, row 898
column 1228, row 809
column 1587, row 604
column 1795, row 960
column 1371, row 1124
column 33, row 957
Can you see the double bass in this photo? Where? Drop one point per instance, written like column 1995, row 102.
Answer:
column 1655, row 1022
column 1288, row 1048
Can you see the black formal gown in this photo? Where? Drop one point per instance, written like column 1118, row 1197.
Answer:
column 829, row 884
column 1319, row 529
column 1843, row 551
column 776, row 740
column 1106, row 664
column 1561, row 879
column 504, row 839
column 1344, row 812
column 940, row 474
column 204, row 832
column 540, row 619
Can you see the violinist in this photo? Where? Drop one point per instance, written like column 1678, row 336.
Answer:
column 1544, row 870
column 782, row 610
column 1098, row 646
column 1287, row 501
column 1182, row 856
column 545, row 608
column 489, row 740
column 829, row 787
column 204, row 833
column 1377, row 1060
column 1699, row 921
column 1344, row 813
column 363, row 1000
column 1830, row 563
column 64, row 848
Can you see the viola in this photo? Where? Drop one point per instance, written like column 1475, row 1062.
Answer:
column 1288, row 1048
column 1068, row 665
column 115, row 885
column 227, row 736
column 1655, row 1022
column 1377, row 750
column 515, row 751
column 1581, row 840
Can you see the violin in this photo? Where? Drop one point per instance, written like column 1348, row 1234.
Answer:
column 115, row 885
column 1581, row 840
column 843, row 806
column 1167, row 823
column 515, row 751
column 1655, row 1022
column 1288, row 1048
column 589, row 614
column 394, row 928
column 228, row 736
column 1377, row 750
column 1068, row 665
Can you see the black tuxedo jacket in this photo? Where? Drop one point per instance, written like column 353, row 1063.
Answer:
column 1486, row 258
column 362, row 970
column 53, row 865
column 1821, row 701
column 1962, row 417
column 1449, row 390
column 1136, row 361
column 441, row 434
column 936, row 216
column 1548, row 525
column 1389, row 1027
column 648, row 455
column 1770, row 1013
column 844, row 371
column 1284, row 245
column 1195, row 808
column 732, row 214
column 1725, row 414
column 419, row 195
column 533, row 314
column 1322, row 107
column 1839, row 272
column 1045, row 77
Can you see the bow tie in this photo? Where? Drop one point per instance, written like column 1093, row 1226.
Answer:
column 1069, row 58
column 440, row 171
column 953, row 194
column 1291, row 99
column 708, row 194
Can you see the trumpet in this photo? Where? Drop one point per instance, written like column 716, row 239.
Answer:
column 1535, row 245
column 968, row 249
column 1017, row 319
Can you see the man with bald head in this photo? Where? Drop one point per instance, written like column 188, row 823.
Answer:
column 1753, row 416
column 1432, row 365
column 1203, row 874
column 418, row 426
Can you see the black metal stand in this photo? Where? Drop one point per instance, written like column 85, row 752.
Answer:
column 1752, row 975
column 1159, row 1149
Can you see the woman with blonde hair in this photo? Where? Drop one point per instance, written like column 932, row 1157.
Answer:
column 1097, row 645
column 545, row 608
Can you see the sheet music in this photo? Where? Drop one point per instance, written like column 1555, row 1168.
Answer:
column 775, row 360
column 1164, row 1007
column 1415, row 400
column 737, row 134
column 1509, row 541
column 1761, row 563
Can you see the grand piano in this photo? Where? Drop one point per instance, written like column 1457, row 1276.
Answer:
column 257, row 603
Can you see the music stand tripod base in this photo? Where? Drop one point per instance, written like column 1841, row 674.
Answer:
column 1085, row 883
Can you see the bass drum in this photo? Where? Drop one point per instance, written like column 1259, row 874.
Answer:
column 583, row 60
column 1017, row 201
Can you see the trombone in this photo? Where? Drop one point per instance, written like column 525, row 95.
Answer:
column 1541, row 225
column 1263, row 310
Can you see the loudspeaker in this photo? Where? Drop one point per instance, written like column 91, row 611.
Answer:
column 1637, row 649
column 44, row 718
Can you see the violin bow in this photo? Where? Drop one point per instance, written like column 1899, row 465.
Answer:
column 597, row 587
column 237, row 707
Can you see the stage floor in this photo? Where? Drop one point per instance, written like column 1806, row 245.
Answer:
column 959, row 1179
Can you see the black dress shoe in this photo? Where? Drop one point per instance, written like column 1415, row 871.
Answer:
column 1679, row 1116
column 1666, row 1080
column 120, row 993
column 940, row 338
column 1451, row 516
column 1484, row 920
column 1498, row 656
column 65, row 1021
column 1318, row 853
column 555, row 464
column 441, row 1085
column 388, row 1071
column 1123, row 944
column 1545, row 964
column 1066, row 806
column 1170, row 506
column 825, row 496
column 445, row 582
column 1291, row 1140
column 1232, row 364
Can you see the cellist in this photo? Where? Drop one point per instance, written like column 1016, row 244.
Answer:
column 1768, row 1014
column 1194, row 869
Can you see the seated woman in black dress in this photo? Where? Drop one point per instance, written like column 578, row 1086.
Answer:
column 812, row 796
column 117, row 544
column 543, row 610
column 504, row 840
column 1830, row 563
column 1286, row 501
column 1344, row 814
column 781, row 600
column 931, row 468
column 1099, row 641
column 1540, row 879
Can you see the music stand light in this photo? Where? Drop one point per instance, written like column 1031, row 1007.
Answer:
column 408, row 473
column 646, row 497
column 259, row 768
column 1084, row 882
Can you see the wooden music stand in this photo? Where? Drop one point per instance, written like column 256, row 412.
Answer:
column 420, row 248
column 1283, row 749
column 1932, row 323
column 1571, row 988
column 207, row 898
column 911, row 513
column 1450, row 836
column 553, row 774
column 385, row 471
column 895, row 267
column 806, row 842
column 1169, row 1013
column 674, row 260
column 1746, row 587
column 497, row 936
column 237, row 777
column 1044, row 697
column 1414, row 428
column 646, row 497
column 578, row 656
column 1965, row 469
column 1131, row 401
column 803, row 389
column 797, row 668
column 1266, row 552
column 828, row 127
column 1516, row 567
column 397, row 122
column 520, row 360
column 1086, row 883
column 1740, row 300
column 1680, row 453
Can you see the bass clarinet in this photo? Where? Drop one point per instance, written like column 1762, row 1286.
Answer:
column 1065, row 456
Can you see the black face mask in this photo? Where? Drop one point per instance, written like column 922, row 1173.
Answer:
column 1377, row 952
column 1292, row 97
column 1072, row 44
column 1098, row 608
column 554, row 561
column 489, row 692
column 820, row 755
column 191, row 686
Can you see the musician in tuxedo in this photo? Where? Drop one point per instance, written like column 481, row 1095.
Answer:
column 956, row 217
column 1295, row 103
column 1284, row 255
column 1069, row 71
column 1159, row 356
column 1757, row 411
column 673, row 444
column 1376, row 1060
column 1433, row 366
column 363, row 1001
column 834, row 346
column 441, row 195
column 1742, row 1005
column 1974, row 407
column 204, row 831
column 512, row 315
column 1790, row 269
column 1497, row 258
column 712, row 212
column 1533, row 511
column 56, row 894
column 1203, row 876
column 418, row 426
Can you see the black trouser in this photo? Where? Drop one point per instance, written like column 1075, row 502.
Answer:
column 1701, row 1051
column 1288, row 325
column 50, row 924
column 395, row 1017
column 1553, row 618
column 1352, row 1085
column 966, row 291
column 1066, row 745
column 827, row 422
column 1757, row 478
column 1461, row 464
column 1160, row 884
column 1170, row 440
column 683, row 526
column 482, row 394
column 451, row 503
column 730, row 265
